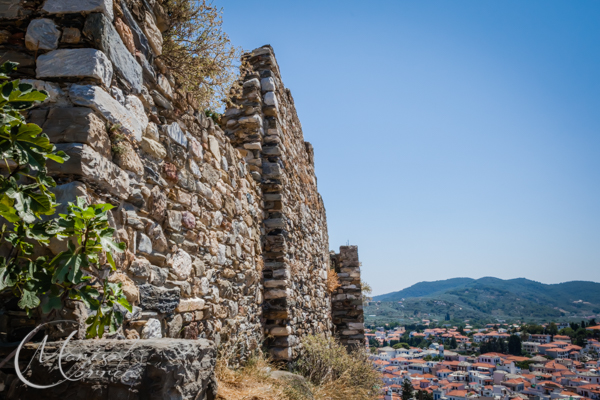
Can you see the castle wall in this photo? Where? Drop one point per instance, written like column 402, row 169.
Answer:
column 185, row 202
column 263, row 121
column 225, row 229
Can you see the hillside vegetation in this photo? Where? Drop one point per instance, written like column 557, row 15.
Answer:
column 487, row 300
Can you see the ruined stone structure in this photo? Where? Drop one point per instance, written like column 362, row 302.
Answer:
column 264, row 127
column 346, row 304
column 225, row 230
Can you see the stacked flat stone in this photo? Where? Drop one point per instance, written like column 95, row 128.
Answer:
column 264, row 126
column 226, row 232
column 185, row 203
column 346, row 303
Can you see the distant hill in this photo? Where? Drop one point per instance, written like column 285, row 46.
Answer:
column 490, row 299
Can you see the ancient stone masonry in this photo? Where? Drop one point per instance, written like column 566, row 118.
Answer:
column 263, row 124
column 346, row 304
column 225, row 230
column 186, row 205
column 138, row 370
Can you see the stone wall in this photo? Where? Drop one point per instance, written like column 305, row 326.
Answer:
column 346, row 303
column 225, row 230
column 264, row 125
column 185, row 203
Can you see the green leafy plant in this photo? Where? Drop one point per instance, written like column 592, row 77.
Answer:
column 28, row 206
column 215, row 116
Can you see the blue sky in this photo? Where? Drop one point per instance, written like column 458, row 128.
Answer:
column 452, row 138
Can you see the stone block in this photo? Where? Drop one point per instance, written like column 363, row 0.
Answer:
column 159, row 298
column 195, row 168
column 277, row 293
column 56, row 96
column 11, row 9
column 274, row 223
column 252, row 84
column 71, row 35
column 187, row 305
column 153, row 148
column 150, row 369
column 273, row 283
column 270, row 99
column 253, row 121
column 213, row 146
column 271, row 150
column 68, row 193
column 281, row 331
column 96, row 98
column 153, row 34
column 42, row 34
column 79, row 7
column 188, row 220
column 77, row 125
column 281, row 353
column 140, row 267
column 267, row 84
column 139, row 38
column 152, row 329
column 272, row 170
column 106, row 38
column 174, row 132
column 253, row 146
column 75, row 63
column 92, row 166
column 174, row 220
column 136, row 108
column 161, row 100
column 24, row 60
column 181, row 263
column 144, row 244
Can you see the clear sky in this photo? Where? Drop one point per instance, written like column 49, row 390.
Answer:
column 452, row 138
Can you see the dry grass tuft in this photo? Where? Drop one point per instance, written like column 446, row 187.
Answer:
column 252, row 382
column 331, row 374
column 333, row 282
column 336, row 372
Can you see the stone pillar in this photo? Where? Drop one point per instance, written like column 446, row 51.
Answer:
column 346, row 304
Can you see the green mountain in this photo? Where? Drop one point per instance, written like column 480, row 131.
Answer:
column 489, row 299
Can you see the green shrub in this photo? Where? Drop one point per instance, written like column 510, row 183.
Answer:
column 27, row 207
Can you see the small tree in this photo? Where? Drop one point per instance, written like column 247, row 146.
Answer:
column 373, row 343
column 197, row 51
column 514, row 345
column 552, row 329
column 453, row 344
column 27, row 206
column 407, row 390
